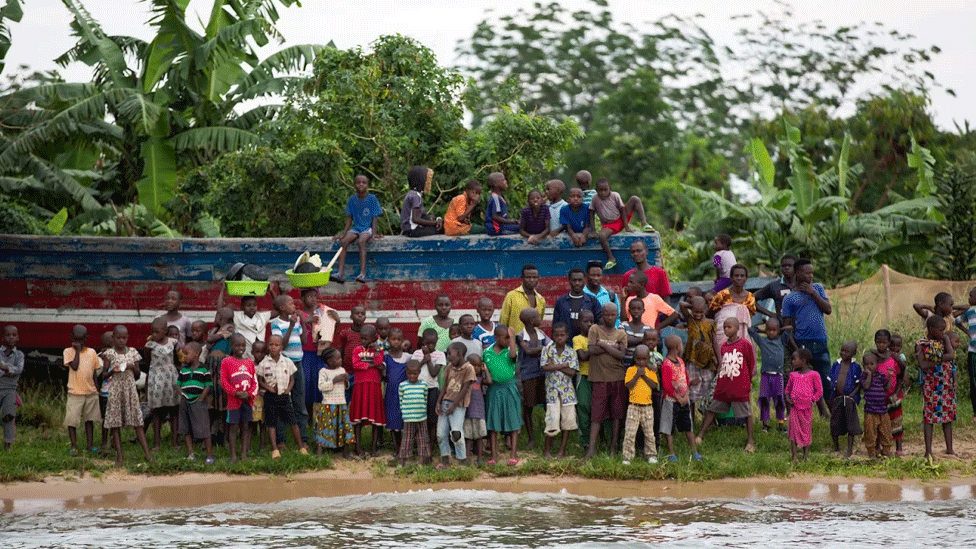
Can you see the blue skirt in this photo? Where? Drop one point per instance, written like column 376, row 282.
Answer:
column 396, row 372
column 311, row 364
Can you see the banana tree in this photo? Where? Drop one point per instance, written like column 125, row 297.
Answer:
column 815, row 216
column 153, row 107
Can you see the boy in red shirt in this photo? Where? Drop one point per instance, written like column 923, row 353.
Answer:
column 737, row 365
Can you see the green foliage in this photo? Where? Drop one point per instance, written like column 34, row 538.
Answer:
column 152, row 107
column 271, row 193
column 17, row 218
column 393, row 107
column 955, row 242
column 11, row 11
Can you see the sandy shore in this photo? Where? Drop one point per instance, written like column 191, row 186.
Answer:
column 120, row 490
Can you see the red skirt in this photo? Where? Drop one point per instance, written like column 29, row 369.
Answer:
column 366, row 404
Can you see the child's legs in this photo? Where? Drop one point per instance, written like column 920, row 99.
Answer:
column 634, row 205
column 971, row 369
column 363, row 239
column 188, row 440
column 884, row 434
column 344, row 243
column 298, row 402
column 926, row 432
column 444, row 430
column 647, row 425
column 456, row 421
column 947, row 435
column 584, row 392
column 232, row 439
column 631, row 424
column 604, row 236
column 117, row 444
column 764, row 409
column 870, row 438
column 780, row 403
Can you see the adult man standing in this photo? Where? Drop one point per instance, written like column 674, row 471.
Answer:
column 594, row 278
column 657, row 278
column 804, row 309
column 778, row 289
column 522, row 297
column 568, row 307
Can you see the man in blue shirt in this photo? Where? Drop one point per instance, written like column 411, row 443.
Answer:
column 568, row 307
column 594, row 276
column 804, row 309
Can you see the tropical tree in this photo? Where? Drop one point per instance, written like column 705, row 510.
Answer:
column 815, row 214
column 151, row 108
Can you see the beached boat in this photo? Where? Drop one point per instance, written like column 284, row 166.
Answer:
column 51, row 283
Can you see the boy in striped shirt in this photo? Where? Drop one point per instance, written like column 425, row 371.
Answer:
column 194, row 413
column 289, row 326
column 413, row 407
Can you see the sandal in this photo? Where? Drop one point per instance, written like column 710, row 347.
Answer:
column 513, row 462
column 336, row 278
column 441, row 466
column 648, row 228
column 275, row 454
column 361, row 279
column 609, row 265
column 492, row 462
column 73, row 452
column 210, row 461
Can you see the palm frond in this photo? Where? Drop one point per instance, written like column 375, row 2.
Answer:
column 215, row 139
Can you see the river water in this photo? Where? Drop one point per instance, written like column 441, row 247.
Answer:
column 428, row 518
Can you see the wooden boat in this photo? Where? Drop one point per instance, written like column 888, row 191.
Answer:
column 52, row 283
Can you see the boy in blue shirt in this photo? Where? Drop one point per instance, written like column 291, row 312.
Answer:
column 362, row 211
column 574, row 218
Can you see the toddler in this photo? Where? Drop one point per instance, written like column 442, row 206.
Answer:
column 560, row 364
column 413, row 405
column 699, row 353
column 240, row 384
column 291, row 329
column 81, row 406
column 641, row 379
column 802, row 390
column 194, row 414
column 844, row 394
column 366, row 407
column 530, row 342
column 877, row 424
column 123, row 409
column 772, row 349
column 723, row 260
column 333, row 428
column 395, row 363
column 431, row 361
column 161, row 389
column 475, row 428
column 276, row 377
column 504, row 398
column 676, row 406
column 452, row 405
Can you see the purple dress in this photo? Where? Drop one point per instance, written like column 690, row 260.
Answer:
column 396, row 372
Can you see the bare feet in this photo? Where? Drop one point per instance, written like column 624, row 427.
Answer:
column 750, row 448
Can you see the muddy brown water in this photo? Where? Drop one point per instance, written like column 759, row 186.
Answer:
column 313, row 511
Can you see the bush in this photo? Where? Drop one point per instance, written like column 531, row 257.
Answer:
column 16, row 218
column 269, row 192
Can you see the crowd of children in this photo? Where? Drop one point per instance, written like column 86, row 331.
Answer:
column 589, row 213
column 643, row 367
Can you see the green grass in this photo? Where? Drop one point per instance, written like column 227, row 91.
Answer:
column 42, row 451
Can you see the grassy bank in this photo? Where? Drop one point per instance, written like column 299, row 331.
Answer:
column 42, row 450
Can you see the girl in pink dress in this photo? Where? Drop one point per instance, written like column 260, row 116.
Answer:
column 802, row 390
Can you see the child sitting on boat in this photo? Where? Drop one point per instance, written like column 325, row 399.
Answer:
column 362, row 211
